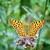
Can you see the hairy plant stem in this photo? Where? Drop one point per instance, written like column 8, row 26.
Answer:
column 40, row 29
column 38, row 40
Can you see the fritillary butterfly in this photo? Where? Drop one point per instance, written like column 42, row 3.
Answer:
column 27, row 30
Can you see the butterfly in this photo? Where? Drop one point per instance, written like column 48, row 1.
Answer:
column 27, row 30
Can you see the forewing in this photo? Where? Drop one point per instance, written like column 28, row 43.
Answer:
column 38, row 24
column 19, row 26
column 35, row 26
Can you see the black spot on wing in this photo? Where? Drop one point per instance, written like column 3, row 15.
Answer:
column 18, row 21
column 39, row 21
column 19, row 24
column 14, row 26
column 15, row 20
column 35, row 27
column 36, row 22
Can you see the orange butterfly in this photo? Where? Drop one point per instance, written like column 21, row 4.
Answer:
column 27, row 30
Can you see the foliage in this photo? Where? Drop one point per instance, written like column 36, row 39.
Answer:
column 10, row 9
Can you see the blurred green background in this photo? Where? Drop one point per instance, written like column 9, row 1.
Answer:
column 24, row 11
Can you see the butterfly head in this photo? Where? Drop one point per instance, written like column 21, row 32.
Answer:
column 26, row 24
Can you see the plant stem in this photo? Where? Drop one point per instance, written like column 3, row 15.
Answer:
column 6, row 25
column 45, row 8
column 40, row 29
column 38, row 40
column 24, row 3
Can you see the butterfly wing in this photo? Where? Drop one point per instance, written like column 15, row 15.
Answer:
column 35, row 26
column 19, row 26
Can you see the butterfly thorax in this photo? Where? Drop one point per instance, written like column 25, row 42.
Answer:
column 26, row 28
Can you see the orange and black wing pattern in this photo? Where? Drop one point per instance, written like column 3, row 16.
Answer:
column 19, row 26
column 35, row 26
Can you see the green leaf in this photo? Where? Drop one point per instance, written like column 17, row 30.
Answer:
column 30, row 12
column 3, row 15
column 47, row 41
